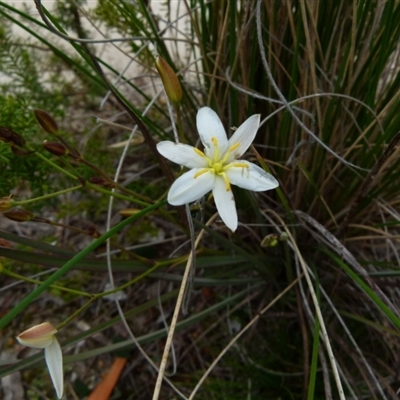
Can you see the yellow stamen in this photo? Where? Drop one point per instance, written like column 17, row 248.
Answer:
column 199, row 152
column 215, row 141
column 226, row 180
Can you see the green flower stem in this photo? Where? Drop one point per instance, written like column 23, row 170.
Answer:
column 19, row 277
column 55, row 166
column 45, row 197
column 76, row 313
column 4, row 321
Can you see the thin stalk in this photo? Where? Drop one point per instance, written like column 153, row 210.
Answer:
column 179, row 302
column 47, row 196
column 23, row 278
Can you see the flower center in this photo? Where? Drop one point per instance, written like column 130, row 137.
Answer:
column 217, row 165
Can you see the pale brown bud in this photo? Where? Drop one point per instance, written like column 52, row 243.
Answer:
column 55, row 148
column 127, row 212
column 170, row 81
column 39, row 336
column 42, row 336
column 19, row 215
column 46, row 121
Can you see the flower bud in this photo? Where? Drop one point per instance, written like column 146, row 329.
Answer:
column 9, row 136
column 38, row 337
column 46, row 121
column 273, row 239
column 270, row 240
column 42, row 336
column 19, row 215
column 127, row 212
column 170, row 81
column 56, row 148
column 6, row 203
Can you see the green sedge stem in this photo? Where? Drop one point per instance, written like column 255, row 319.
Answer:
column 71, row 263
column 37, row 282
column 47, row 196
column 116, row 195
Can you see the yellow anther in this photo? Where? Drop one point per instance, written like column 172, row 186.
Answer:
column 234, row 146
column 239, row 165
column 217, row 155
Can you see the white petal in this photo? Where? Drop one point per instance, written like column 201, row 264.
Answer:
column 209, row 125
column 244, row 135
column 187, row 188
column 181, row 154
column 225, row 203
column 253, row 178
column 53, row 357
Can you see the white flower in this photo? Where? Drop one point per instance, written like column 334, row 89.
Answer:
column 218, row 166
column 42, row 337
